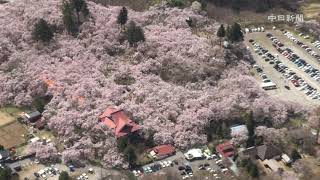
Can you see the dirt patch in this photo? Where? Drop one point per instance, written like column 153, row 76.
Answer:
column 5, row 118
column 12, row 135
column 137, row 5
column 244, row 17
column 311, row 11
column 9, row 114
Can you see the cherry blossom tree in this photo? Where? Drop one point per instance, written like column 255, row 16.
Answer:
column 180, row 80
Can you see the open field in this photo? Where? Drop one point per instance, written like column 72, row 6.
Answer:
column 5, row 118
column 311, row 10
column 9, row 114
column 12, row 135
column 137, row 5
column 293, row 94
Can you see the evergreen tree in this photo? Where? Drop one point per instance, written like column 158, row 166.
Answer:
column 219, row 130
column 250, row 124
column 64, row 176
column 228, row 32
column 236, row 32
column 80, row 6
column 221, row 32
column 122, row 143
column 225, row 130
column 129, row 155
column 42, row 31
column 251, row 127
column 254, row 172
column 236, row 28
column 295, row 155
column 5, row 173
column 1, row 147
column 134, row 34
column 68, row 19
column 122, row 17
column 150, row 140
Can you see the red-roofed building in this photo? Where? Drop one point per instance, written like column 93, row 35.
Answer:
column 225, row 149
column 162, row 151
column 118, row 121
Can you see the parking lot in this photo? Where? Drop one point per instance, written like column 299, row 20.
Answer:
column 183, row 169
column 31, row 170
column 291, row 82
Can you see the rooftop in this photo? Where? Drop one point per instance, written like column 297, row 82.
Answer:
column 225, row 149
column 164, row 149
column 268, row 152
column 118, row 121
column 194, row 153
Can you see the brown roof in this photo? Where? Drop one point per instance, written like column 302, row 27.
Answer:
column 268, row 152
column 165, row 149
column 118, row 121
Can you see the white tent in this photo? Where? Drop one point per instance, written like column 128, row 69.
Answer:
column 194, row 154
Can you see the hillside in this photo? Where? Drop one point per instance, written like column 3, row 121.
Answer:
column 174, row 83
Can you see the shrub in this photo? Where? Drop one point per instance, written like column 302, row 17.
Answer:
column 134, row 34
column 295, row 155
column 42, row 31
column 5, row 173
column 175, row 3
column 125, row 80
column 64, row 176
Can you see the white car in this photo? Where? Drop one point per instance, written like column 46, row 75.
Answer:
column 224, row 170
column 219, row 161
column 162, row 164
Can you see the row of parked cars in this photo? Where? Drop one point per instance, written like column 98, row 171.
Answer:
column 185, row 171
column 153, row 168
column 302, row 45
column 83, row 176
column 267, row 56
column 47, row 172
column 293, row 77
column 316, row 44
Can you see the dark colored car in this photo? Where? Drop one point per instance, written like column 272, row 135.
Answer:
column 36, row 174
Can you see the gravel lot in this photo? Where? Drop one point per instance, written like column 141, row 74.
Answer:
column 307, row 42
column 293, row 94
column 198, row 174
column 29, row 167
